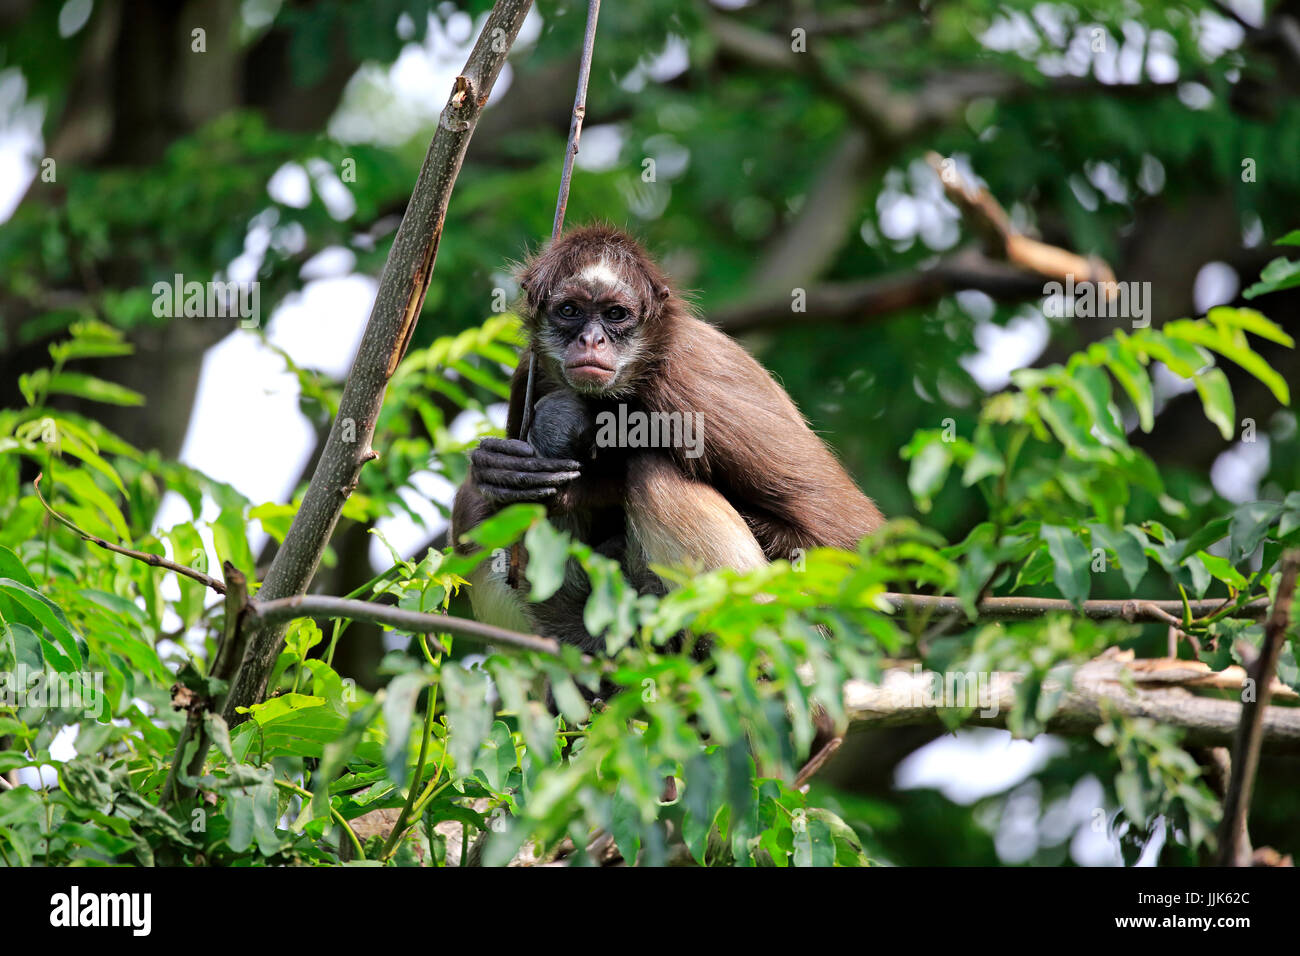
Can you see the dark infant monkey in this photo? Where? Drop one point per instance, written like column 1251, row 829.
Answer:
column 755, row 485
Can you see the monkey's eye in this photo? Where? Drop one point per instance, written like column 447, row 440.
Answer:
column 569, row 310
column 616, row 314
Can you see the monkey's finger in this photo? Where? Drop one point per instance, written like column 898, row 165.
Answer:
column 508, row 446
column 503, row 478
column 483, row 459
column 510, row 495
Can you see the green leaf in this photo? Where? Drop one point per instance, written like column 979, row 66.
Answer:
column 82, row 487
column 505, row 527
column 1251, row 321
column 93, row 389
column 1221, row 341
column 252, row 816
column 1118, row 354
column 548, row 556
column 275, row 708
column 625, row 826
column 1127, row 548
column 1216, row 395
column 1207, row 535
column 11, row 566
column 567, row 696
column 496, row 760
column 337, row 752
column 49, row 614
column 985, row 461
column 813, row 844
column 229, row 536
column 399, row 708
column 928, row 472
column 1223, row 570
column 1250, row 522
column 1277, row 275
column 26, row 645
column 469, row 716
column 1070, row 561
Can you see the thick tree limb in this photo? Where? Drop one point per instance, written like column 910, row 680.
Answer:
column 1234, row 844
column 1022, row 608
column 906, row 698
column 987, row 219
column 392, row 321
column 870, row 299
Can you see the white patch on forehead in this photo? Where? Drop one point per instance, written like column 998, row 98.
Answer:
column 600, row 273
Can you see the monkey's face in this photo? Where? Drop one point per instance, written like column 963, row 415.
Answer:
column 591, row 329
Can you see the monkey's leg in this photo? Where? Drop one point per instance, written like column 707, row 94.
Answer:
column 490, row 594
column 677, row 521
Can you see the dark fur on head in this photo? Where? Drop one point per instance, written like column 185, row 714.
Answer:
column 583, row 247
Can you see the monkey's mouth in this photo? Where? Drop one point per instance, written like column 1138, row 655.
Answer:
column 588, row 372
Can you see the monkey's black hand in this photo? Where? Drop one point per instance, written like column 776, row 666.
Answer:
column 507, row 470
column 563, row 427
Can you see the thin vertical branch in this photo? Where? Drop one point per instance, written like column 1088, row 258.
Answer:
column 1234, row 843
column 579, row 114
column 566, row 178
column 225, row 664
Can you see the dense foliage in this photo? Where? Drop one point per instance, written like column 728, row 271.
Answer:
column 1050, row 456
column 1084, row 476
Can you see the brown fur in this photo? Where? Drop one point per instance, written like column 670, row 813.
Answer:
column 763, row 476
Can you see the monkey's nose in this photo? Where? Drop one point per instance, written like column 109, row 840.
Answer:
column 592, row 338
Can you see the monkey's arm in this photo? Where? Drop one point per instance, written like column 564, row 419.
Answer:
column 678, row 521
column 505, row 471
column 759, row 451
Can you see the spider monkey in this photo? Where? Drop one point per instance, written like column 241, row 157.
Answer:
column 607, row 331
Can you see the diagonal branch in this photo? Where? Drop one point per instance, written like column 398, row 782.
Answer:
column 866, row 300
column 153, row 560
column 392, row 322
column 986, row 218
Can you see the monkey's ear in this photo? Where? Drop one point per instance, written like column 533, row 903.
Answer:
column 662, row 291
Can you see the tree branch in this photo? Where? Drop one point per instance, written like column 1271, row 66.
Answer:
column 909, row 698
column 1234, row 843
column 153, row 560
column 318, row 605
column 986, row 218
column 392, row 321
column 870, row 299
column 225, row 663
column 1012, row 267
column 1130, row 609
